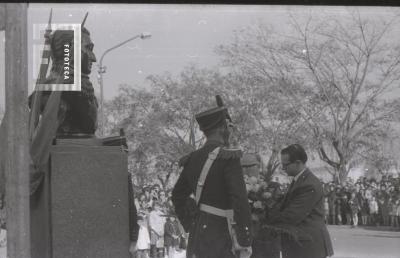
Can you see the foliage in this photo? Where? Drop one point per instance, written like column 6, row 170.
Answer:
column 159, row 122
column 336, row 75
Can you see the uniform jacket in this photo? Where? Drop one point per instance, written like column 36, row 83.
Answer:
column 303, row 208
column 224, row 188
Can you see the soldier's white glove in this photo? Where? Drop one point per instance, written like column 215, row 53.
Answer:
column 246, row 252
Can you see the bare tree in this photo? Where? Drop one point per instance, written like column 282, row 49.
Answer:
column 338, row 75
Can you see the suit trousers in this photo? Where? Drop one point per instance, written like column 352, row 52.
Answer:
column 293, row 249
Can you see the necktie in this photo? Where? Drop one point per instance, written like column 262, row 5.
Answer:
column 287, row 193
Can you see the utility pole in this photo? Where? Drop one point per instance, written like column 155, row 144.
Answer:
column 13, row 19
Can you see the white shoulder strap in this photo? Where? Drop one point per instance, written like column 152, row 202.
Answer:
column 204, row 172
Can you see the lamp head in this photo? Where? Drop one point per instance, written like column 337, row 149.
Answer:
column 145, row 35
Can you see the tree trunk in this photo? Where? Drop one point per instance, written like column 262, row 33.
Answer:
column 342, row 172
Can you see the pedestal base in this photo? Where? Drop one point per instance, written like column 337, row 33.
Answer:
column 83, row 204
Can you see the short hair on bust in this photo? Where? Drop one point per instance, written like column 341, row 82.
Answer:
column 295, row 152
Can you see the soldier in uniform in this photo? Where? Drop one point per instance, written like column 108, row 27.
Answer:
column 223, row 190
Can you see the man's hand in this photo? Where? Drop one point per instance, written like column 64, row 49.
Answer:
column 132, row 248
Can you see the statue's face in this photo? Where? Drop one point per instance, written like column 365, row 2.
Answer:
column 87, row 55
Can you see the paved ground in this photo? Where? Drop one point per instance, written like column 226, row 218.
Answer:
column 354, row 243
column 365, row 242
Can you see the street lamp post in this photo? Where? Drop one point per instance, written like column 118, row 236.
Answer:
column 102, row 69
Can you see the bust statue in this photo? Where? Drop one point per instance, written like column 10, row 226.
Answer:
column 77, row 113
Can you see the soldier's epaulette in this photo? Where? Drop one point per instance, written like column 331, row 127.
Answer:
column 182, row 161
column 230, row 153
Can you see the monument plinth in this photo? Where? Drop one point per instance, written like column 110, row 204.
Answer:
column 86, row 191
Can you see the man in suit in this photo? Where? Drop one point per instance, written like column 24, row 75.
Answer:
column 223, row 190
column 302, row 209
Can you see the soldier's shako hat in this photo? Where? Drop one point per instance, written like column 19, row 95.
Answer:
column 214, row 117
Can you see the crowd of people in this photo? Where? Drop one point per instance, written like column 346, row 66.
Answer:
column 160, row 233
column 366, row 202
column 3, row 232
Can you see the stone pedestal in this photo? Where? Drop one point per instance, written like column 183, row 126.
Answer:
column 86, row 192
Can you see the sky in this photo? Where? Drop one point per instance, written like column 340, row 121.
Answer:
column 181, row 34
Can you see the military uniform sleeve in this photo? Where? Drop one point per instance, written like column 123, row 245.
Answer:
column 300, row 205
column 180, row 198
column 133, row 225
column 238, row 196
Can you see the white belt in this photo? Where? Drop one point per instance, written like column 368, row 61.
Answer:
column 216, row 211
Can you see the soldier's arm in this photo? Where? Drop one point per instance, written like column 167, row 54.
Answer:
column 299, row 207
column 180, row 196
column 238, row 196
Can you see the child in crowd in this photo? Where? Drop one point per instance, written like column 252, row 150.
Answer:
column 392, row 212
column 143, row 242
column 3, row 216
column 326, row 209
column 172, row 236
column 373, row 210
column 156, row 224
column 346, row 210
column 338, row 211
column 354, row 208
column 398, row 212
column 3, row 234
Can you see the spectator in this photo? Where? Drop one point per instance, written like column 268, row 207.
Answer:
column 354, row 208
column 383, row 204
column 331, row 203
column 364, row 208
column 148, row 199
column 162, row 198
column 373, row 210
column 326, row 209
column 346, row 209
column 3, row 235
column 156, row 225
column 154, row 193
column 2, row 211
column 143, row 242
column 398, row 212
column 338, row 211
column 3, row 232
column 172, row 236
column 392, row 212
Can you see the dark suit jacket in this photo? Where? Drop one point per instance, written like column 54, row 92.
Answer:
column 303, row 209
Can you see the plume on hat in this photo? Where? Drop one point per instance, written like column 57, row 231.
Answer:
column 220, row 103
